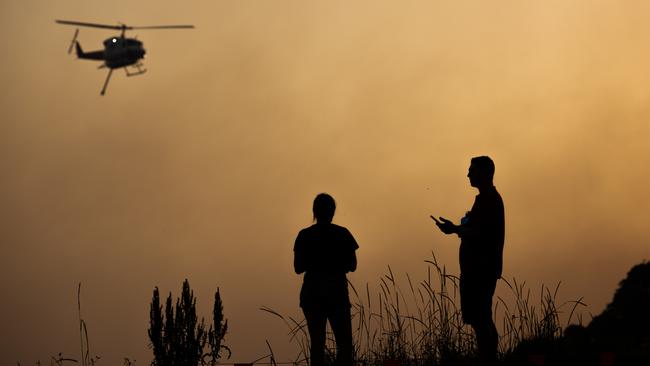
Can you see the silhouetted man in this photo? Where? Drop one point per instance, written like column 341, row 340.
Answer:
column 481, row 255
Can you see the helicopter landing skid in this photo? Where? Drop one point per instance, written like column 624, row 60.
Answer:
column 139, row 69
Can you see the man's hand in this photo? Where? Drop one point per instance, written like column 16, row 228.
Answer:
column 445, row 225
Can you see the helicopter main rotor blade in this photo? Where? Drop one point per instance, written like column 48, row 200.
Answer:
column 164, row 27
column 94, row 25
column 121, row 27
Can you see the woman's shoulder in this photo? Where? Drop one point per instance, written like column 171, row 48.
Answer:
column 339, row 228
column 320, row 229
column 309, row 229
column 344, row 234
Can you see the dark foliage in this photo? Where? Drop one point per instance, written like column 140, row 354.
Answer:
column 620, row 335
column 624, row 326
column 178, row 338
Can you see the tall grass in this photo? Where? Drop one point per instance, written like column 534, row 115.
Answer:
column 423, row 324
column 85, row 359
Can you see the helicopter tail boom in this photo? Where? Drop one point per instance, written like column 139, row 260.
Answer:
column 94, row 55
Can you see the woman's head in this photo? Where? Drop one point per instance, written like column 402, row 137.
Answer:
column 324, row 207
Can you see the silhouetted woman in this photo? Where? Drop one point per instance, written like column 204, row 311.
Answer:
column 326, row 252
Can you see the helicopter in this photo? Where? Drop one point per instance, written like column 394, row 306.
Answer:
column 119, row 51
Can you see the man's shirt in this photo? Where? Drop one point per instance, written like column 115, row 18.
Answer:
column 482, row 236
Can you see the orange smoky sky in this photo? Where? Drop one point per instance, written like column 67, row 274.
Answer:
column 205, row 167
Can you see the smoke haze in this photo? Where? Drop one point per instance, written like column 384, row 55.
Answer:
column 206, row 167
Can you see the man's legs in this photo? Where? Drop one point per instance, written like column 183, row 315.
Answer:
column 487, row 340
column 341, row 323
column 476, row 305
column 316, row 321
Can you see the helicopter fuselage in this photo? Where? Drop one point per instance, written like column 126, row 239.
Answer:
column 118, row 52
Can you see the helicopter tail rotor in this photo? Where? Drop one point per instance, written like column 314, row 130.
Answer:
column 74, row 40
column 80, row 52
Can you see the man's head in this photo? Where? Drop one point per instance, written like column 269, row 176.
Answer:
column 324, row 207
column 481, row 172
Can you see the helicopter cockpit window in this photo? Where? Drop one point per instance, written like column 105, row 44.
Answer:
column 109, row 42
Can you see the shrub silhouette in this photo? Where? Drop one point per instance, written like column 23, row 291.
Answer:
column 624, row 326
column 621, row 332
column 178, row 338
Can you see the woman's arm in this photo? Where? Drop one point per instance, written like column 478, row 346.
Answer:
column 352, row 262
column 298, row 255
column 351, row 259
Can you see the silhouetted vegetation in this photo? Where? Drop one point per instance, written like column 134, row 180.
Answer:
column 622, row 331
column 178, row 338
column 423, row 325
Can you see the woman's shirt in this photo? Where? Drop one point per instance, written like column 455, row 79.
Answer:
column 325, row 252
